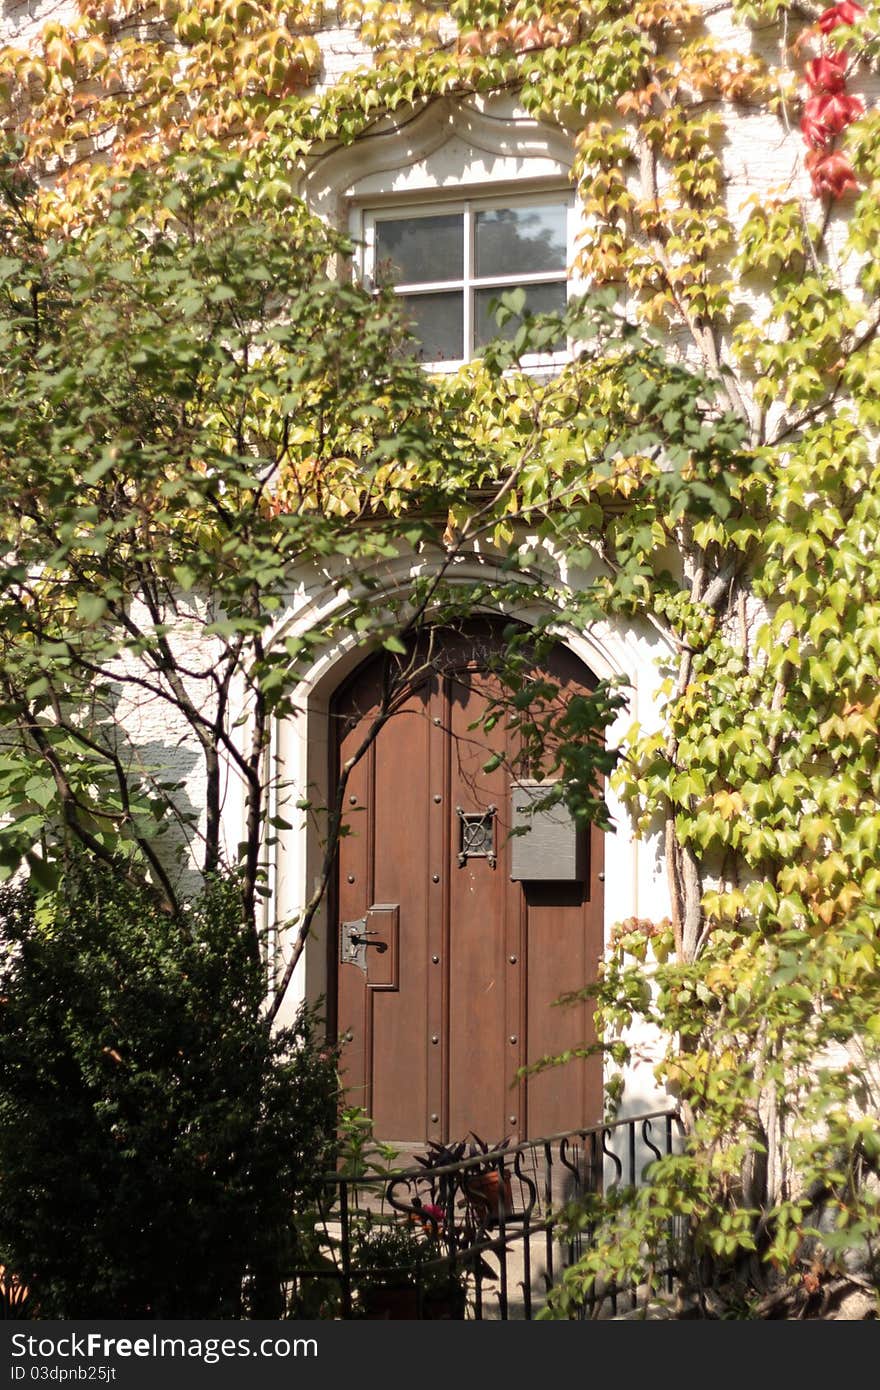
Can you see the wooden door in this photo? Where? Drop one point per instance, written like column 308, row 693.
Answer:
column 446, row 969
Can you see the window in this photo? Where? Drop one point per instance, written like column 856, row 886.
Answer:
column 448, row 262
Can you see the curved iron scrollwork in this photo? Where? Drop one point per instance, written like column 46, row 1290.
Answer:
column 615, row 1159
column 647, row 1126
column 528, row 1185
column 490, row 1221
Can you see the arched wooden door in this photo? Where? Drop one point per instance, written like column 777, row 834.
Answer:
column 446, row 966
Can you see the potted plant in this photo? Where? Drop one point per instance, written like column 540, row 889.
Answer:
column 487, row 1184
column 478, row 1181
column 400, row 1270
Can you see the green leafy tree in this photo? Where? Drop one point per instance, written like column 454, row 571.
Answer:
column 157, row 1136
column 193, row 412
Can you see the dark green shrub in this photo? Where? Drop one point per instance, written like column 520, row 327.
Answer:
column 156, row 1137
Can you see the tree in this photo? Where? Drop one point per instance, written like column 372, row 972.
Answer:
column 193, row 411
column 194, row 414
column 159, row 1139
column 729, row 412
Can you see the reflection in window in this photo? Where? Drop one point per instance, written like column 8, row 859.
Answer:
column 420, row 248
column 525, row 241
column 436, row 324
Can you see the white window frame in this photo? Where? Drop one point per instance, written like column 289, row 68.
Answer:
column 394, row 209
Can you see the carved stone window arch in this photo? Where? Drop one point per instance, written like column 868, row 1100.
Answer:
column 469, row 168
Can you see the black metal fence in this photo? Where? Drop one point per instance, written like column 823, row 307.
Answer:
column 467, row 1230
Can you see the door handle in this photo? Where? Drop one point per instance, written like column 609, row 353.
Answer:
column 360, row 939
column 356, row 936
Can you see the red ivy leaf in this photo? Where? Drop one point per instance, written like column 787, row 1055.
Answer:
column 831, row 174
column 847, row 12
column 826, row 74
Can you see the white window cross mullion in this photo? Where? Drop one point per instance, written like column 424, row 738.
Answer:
column 538, row 277
column 467, row 297
column 430, row 286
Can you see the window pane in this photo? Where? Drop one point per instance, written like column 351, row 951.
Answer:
column 436, row 321
column 540, row 299
column 413, row 249
column 520, row 241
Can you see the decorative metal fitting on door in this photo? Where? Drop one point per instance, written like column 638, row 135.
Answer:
column 354, row 940
column 476, row 835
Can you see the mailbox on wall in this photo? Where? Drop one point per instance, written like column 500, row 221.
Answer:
column 546, row 845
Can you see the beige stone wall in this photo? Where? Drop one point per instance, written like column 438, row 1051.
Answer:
column 21, row 20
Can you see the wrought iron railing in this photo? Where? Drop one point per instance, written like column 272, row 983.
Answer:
column 479, row 1237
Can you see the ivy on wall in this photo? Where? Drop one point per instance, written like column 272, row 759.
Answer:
column 709, row 458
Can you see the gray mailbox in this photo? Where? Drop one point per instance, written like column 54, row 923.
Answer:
column 546, row 845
